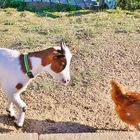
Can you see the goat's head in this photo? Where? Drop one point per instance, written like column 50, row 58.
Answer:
column 59, row 66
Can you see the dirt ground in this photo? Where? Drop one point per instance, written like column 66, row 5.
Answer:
column 84, row 105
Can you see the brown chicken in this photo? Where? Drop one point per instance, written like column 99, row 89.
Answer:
column 127, row 104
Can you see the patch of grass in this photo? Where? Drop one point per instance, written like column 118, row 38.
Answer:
column 85, row 33
column 9, row 22
column 83, row 30
column 29, row 41
column 35, row 28
column 4, row 30
column 23, row 14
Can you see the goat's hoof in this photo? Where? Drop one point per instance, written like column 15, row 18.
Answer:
column 8, row 111
column 17, row 126
column 12, row 117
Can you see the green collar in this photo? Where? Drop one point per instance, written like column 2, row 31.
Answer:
column 26, row 64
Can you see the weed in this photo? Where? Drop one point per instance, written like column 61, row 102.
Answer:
column 9, row 22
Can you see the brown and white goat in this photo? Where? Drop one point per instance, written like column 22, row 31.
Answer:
column 14, row 80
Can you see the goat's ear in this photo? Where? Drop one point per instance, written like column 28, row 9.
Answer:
column 58, row 56
column 56, row 53
column 63, row 46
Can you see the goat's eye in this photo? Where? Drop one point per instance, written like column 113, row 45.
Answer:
column 63, row 64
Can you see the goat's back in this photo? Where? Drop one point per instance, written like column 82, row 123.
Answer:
column 9, row 62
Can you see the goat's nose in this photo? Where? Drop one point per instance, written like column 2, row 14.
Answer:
column 68, row 80
column 65, row 81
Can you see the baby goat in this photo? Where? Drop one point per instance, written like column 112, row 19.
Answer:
column 17, row 70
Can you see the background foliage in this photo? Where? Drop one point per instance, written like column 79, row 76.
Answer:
column 123, row 4
column 128, row 4
column 12, row 3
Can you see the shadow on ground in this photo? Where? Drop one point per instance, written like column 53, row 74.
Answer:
column 68, row 14
column 4, row 119
column 50, row 126
column 4, row 130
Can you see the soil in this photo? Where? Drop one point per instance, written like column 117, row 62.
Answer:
column 86, row 107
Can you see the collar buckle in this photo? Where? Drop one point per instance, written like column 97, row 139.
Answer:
column 30, row 74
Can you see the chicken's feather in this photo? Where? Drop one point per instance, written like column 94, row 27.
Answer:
column 127, row 103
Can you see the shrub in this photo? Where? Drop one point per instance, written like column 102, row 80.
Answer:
column 128, row 4
column 12, row 3
column 3, row 3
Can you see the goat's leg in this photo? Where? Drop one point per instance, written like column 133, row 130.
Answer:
column 10, row 110
column 22, row 108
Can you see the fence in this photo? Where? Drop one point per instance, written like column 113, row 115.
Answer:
column 80, row 3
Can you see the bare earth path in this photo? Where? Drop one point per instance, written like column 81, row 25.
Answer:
column 107, row 46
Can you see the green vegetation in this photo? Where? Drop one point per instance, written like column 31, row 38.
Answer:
column 12, row 3
column 128, row 4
